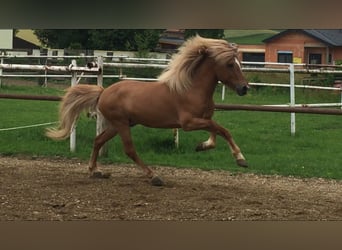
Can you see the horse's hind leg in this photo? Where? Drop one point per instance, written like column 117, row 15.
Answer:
column 130, row 151
column 99, row 141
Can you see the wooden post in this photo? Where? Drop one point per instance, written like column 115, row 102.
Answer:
column 292, row 99
column 73, row 132
column 100, row 123
column 2, row 61
column 223, row 91
column 176, row 137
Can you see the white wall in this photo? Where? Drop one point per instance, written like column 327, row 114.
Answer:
column 6, row 39
column 131, row 54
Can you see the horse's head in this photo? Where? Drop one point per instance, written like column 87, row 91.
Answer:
column 221, row 64
column 230, row 74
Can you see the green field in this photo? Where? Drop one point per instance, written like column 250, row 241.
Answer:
column 248, row 36
column 264, row 138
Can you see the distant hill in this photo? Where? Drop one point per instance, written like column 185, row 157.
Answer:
column 234, row 36
column 249, row 36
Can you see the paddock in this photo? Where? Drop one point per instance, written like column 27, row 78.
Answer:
column 59, row 190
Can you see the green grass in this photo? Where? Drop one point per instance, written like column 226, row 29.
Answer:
column 248, row 36
column 264, row 138
column 246, row 32
column 256, row 39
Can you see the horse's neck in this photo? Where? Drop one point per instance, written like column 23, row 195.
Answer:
column 204, row 81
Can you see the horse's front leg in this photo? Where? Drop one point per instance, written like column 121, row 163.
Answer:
column 208, row 144
column 234, row 148
column 214, row 128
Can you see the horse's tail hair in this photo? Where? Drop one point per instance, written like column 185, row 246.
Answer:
column 76, row 99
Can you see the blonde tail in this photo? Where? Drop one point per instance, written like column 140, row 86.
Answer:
column 76, row 99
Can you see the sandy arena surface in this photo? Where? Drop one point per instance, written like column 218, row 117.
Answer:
column 60, row 189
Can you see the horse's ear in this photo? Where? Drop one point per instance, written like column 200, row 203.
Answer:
column 203, row 50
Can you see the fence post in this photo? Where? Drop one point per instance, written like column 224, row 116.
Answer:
column 2, row 61
column 341, row 95
column 292, row 98
column 100, row 126
column 176, row 137
column 73, row 132
column 45, row 73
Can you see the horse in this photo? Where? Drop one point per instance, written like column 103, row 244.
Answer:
column 182, row 97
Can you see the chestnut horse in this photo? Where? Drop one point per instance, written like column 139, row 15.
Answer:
column 181, row 98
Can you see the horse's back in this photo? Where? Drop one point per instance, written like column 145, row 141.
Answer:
column 148, row 103
column 128, row 90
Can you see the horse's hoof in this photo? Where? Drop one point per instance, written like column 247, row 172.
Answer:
column 203, row 147
column 156, row 181
column 199, row 147
column 242, row 163
column 100, row 175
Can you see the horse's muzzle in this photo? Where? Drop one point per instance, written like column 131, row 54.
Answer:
column 242, row 90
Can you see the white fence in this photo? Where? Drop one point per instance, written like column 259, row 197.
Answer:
column 292, row 69
column 71, row 70
column 95, row 69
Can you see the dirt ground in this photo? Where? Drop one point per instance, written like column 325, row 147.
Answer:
column 60, row 189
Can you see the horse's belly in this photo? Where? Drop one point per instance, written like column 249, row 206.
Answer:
column 155, row 117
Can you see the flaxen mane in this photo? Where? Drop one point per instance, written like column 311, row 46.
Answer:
column 178, row 74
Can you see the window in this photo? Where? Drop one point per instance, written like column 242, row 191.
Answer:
column 315, row 58
column 253, row 57
column 285, row 57
column 110, row 55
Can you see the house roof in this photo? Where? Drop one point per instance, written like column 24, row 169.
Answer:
column 19, row 43
column 171, row 40
column 28, row 35
column 331, row 37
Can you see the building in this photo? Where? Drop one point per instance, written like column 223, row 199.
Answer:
column 252, row 53
column 311, row 46
column 170, row 40
column 13, row 45
column 6, row 39
column 21, row 46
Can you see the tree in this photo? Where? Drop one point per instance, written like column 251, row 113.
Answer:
column 145, row 41
column 102, row 39
column 105, row 39
column 208, row 33
column 63, row 38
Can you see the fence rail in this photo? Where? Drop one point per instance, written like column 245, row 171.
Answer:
column 31, row 97
column 308, row 110
column 70, row 68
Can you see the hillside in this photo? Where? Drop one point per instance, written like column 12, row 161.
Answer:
column 235, row 36
column 248, row 36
